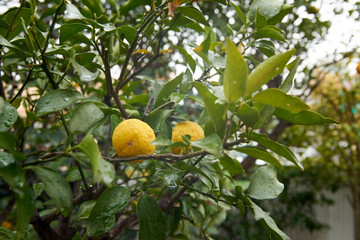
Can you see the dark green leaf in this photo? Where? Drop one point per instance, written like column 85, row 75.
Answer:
column 68, row 29
column 8, row 115
column 98, row 228
column 57, row 188
column 277, row 98
column 156, row 119
column 286, row 9
column 171, row 177
column 266, row 70
column 57, row 100
column 162, row 141
column 197, row 170
column 214, row 110
column 110, row 202
column 265, row 113
column 269, row 223
column 22, row 15
column 233, row 166
column 264, row 184
column 211, row 144
column 260, row 153
column 168, row 88
column 249, row 115
column 276, row 147
column 84, row 74
column 236, row 73
column 84, row 117
column 260, row 20
column 239, row 13
column 267, row 32
column 128, row 32
column 151, row 220
column 72, row 12
column 188, row 58
column 6, row 159
column 106, row 172
column 95, row 6
column 193, row 14
column 288, row 82
column 303, row 118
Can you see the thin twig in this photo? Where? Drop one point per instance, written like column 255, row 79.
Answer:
column 27, row 80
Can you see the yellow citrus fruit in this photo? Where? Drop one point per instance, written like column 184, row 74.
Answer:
column 6, row 224
column 186, row 128
column 133, row 137
column 358, row 68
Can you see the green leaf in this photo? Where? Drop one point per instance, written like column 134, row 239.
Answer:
column 265, row 113
column 267, row 8
column 128, row 32
column 276, row 147
column 260, row 153
column 277, row 98
column 84, row 117
column 211, row 144
column 193, row 14
column 56, row 187
column 236, row 73
column 14, row 176
column 288, row 82
column 214, row 110
column 267, row 70
column 168, row 88
column 264, row 184
column 249, row 115
column 8, row 115
column 72, row 12
column 188, row 58
column 95, row 6
column 285, row 10
column 85, row 210
column 260, row 20
column 239, row 13
column 265, row 219
column 156, row 119
column 197, row 170
column 162, row 141
column 68, row 29
column 106, row 172
column 303, row 118
column 98, row 228
column 110, row 202
column 5, row 43
column 57, row 100
column 171, row 177
column 268, row 32
column 151, row 220
column 233, row 166
column 22, row 15
column 84, row 74
column 91, row 149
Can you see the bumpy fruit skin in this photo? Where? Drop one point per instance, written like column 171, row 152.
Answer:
column 133, row 137
column 186, row 128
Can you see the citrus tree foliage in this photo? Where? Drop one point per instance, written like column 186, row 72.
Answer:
column 62, row 99
column 336, row 148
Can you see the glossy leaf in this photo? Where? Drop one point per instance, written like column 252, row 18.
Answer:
column 188, row 58
column 68, row 29
column 85, row 210
column 110, row 202
column 156, row 119
column 288, row 82
column 265, row 7
column 193, row 14
column 106, row 172
column 277, row 98
column 57, row 100
column 260, row 20
column 214, row 110
column 266, row 70
column 98, row 228
column 56, row 187
column 8, row 115
column 268, row 32
column 168, row 88
column 262, row 154
column 84, row 74
column 151, row 220
column 91, row 149
column 17, row 17
column 249, row 115
column 265, row 114
column 171, row 177
column 239, row 13
column 265, row 219
column 95, row 6
column 285, row 10
column 264, row 184
column 6, row 159
column 84, row 117
column 236, row 72
column 211, row 144
column 199, row 171
column 303, row 118
column 276, row 147
column 233, row 166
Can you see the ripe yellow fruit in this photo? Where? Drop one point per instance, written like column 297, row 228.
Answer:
column 186, row 128
column 133, row 137
column 358, row 68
